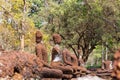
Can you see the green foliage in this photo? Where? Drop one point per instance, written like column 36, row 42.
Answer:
column 35, row 12
column 84, row 24
column 11, row 25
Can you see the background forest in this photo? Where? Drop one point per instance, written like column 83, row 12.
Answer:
column 92, row 26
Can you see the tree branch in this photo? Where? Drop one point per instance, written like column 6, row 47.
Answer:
column 73, row 50
column 80, row 37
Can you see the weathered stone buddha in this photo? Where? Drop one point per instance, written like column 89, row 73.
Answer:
column 57, row 58
column 116, row 65
column 71, row 60
column 107, row 65
column 41, row 51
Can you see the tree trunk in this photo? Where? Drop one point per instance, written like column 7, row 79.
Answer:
column 85, row 57
column 22, row 42
column 102, row 53
column 22, row 26
column 106, row 52
column 45, row 3
column 86, row 53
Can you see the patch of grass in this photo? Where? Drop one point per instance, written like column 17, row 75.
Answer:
column 94, row 66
